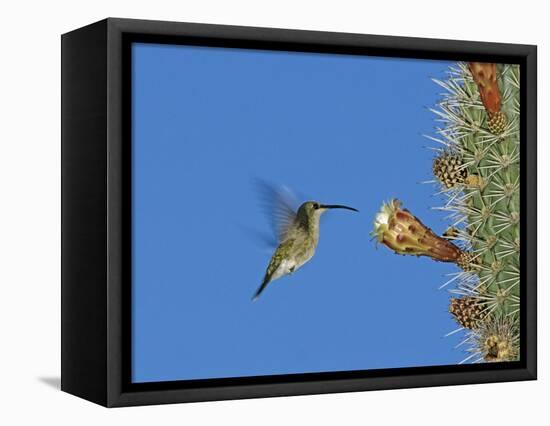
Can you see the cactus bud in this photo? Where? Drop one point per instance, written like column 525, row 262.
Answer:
column 449, row 170
column 497, row 122
column 485, row 77
column 498, row 340
column 467, row 311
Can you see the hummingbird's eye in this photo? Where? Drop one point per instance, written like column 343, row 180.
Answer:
column 316, row 206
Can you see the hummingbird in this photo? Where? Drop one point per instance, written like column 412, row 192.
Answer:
column 298, row 235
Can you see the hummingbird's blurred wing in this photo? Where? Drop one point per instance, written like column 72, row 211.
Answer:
column 280, row 204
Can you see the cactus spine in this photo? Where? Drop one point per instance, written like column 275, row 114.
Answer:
column 477, row 168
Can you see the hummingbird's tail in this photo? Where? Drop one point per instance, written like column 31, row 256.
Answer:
column 260, row 289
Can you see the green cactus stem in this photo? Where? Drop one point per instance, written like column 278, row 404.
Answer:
column 486, row 208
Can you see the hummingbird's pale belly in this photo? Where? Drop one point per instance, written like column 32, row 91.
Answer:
column 288, row 266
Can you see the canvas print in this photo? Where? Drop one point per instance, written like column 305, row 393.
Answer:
column 297, row 212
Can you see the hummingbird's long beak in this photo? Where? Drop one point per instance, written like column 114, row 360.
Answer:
column 337, row 206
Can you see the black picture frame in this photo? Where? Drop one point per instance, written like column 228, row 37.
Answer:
column 96, row 174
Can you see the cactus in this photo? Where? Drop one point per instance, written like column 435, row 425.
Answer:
column 477, row 169
column 480, row 117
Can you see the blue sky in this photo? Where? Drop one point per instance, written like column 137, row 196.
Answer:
column 335, row 128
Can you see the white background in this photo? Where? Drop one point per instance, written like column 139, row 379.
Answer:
column 30, row 200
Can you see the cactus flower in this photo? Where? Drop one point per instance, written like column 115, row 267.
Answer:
column 402, row 232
